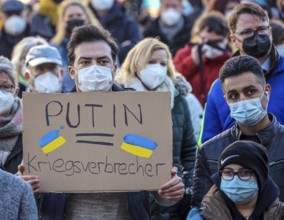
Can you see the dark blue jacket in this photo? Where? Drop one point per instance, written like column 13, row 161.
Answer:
column 122, row 28
column 217, row 113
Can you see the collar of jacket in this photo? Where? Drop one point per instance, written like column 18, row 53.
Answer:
column 265, row 135
column 115, row 88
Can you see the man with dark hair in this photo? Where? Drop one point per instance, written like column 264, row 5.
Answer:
column 92, row 53
column 200, row 63
column 247, row 96
column 251, row 35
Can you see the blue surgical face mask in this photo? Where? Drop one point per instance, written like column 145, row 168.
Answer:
column 240, row 191
column 248, row 112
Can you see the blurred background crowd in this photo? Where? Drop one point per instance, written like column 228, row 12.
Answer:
column 184, row 42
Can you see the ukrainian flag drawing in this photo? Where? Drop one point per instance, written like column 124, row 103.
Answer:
column 51, row 141
column 138, row 145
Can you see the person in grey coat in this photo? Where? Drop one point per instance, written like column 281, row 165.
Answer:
column 17, row 199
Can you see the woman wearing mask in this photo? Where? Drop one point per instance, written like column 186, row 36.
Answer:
column 18, row 59
column 72, row 13
column 11, row 148
column 200, row 62
column 243, row 189
column 149, row 67
column 11, row 120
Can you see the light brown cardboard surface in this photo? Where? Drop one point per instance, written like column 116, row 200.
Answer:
column 87, row 167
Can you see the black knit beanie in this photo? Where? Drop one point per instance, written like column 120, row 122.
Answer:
column 248, row 154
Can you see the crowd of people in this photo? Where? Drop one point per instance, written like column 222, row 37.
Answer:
column 220, row 60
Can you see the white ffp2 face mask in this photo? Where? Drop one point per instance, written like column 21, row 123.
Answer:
column 47, row 83
column 15, row 25
column 95, row 78
column 170, row 17
column 6, row 101
column 102, row 5
column 153, row 75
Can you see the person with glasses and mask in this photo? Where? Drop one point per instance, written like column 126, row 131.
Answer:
column 11, row 124
column 251, row 35
column 247, row 95
column 16, row 200
column 11, row 118
column 242, row 187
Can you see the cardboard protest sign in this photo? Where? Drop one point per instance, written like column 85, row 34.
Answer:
column 98, row 141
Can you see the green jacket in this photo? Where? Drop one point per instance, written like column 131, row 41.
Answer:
column 184, row 144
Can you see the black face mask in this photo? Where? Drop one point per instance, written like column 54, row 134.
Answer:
column 72, row 24
column 256, row 45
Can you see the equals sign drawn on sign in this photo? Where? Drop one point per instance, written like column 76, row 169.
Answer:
column 94, row 135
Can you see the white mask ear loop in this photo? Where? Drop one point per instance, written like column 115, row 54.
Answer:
column 267, row 96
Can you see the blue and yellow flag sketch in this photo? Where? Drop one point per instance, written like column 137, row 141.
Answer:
column 51, row 141
column 138, row 145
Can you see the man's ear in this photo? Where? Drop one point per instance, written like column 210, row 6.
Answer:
column 114, row 70
column 71, row 72
column 234, row 40
column 267, row 89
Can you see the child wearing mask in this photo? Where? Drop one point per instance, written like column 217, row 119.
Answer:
column 242, row 187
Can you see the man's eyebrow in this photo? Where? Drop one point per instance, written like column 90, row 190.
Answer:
column 249, row 87
column 103, row 57
column 245, row 88
column 84, row 58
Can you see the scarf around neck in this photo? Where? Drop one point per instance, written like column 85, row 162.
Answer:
column 166, row 86
column 10, row 128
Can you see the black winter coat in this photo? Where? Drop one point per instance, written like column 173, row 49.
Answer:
column 184, row 144
column 272, row 137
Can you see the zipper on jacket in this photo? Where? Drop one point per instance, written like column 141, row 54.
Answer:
column 276, row 162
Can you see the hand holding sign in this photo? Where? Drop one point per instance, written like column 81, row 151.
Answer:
column 173, row 189
column 31, row 179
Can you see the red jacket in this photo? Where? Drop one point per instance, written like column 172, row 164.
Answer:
column 184, row 64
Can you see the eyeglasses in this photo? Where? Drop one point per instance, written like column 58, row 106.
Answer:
column 229, row 174
column 261, row 30
column 7, row 88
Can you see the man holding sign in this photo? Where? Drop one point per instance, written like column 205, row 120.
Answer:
column 92, row 54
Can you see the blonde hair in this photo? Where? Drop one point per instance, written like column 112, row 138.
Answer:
column 139, row 56
column 60, row 34
column 22, row 48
